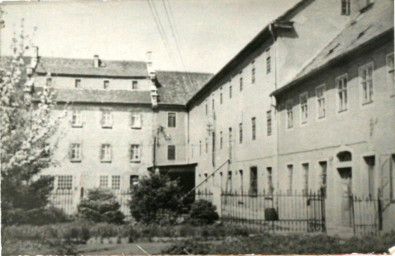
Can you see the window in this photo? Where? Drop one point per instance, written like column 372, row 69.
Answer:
column 171, row 152
column 116, row 182
column 206, row 109
column 305, row 167
column 270, row 187
column 65, row 182
column 240, row 133
column 290, row 174
column 290, row 115
column 241, row 180
column 320, row 93
column 346, row 7
column 103, row 182
column 171, row 119
column 268, row 61
column 200, row 147
column 229, row 185
column 253, row 180
column 370, row 162
column 206, row 146
column 76, row 119
column 77, row 83
column 49, row 81
column 106, row 84
column 366, row 82
column 220, row 98
column 106, row 121
column 230, row 91
column 304, row 110
column 135, row 85
column 105, row 153
column 213, row 104
column 133, row 181
column 390, row 69
column 75, row 152
column 323, row 173
column 253, row 72
column 241, row 82
column 253, row 128
column 221, row 140
column 341, row 85
column 134, row 153
column 269, row 122
column 136, row 121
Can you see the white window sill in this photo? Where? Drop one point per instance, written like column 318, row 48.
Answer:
column 135, row 128
column 106, row 161
column 107, row 126
column 76, row 125
column 75, row 160
column 135, row 161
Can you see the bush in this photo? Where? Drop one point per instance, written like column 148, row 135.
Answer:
column 36, row 216
column 203, row 212
column 101, row 206
column 156, row 199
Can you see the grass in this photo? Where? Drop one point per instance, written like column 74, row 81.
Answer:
column 127, row 249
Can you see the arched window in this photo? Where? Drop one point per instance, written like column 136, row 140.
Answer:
column 344, row 156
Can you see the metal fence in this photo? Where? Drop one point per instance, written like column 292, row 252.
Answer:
column 280, row 212
column 204, row 194
column 366, row 215
column 123, row 197
column 63, row 199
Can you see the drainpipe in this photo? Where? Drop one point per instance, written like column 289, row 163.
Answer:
column 274, row 105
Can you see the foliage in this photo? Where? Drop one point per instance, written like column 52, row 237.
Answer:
column 285, row 244
column 101, row 206
column 35, row 216
column 26, row 130
column 156, row 199
column 203, row 212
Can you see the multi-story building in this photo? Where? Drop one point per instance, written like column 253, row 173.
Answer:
column 336, row 120
column 117, row 125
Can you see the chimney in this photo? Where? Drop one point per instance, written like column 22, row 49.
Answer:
column 150, row 68
column 96, row 61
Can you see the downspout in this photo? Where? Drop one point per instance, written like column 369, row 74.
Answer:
column 274, row 105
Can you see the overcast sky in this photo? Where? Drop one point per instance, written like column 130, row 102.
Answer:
column 209, row 32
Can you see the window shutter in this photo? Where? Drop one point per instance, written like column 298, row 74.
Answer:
column 81, row 151
column 130, row 152
column 69, row 152
column 111, row 122
column 102, row 119
column 141, row 120
column 140, row 151
column 130, row 119
column 101, row 152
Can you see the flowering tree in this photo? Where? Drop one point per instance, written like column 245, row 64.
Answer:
column 27, row 127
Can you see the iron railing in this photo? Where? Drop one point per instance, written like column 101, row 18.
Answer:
column 366, row 216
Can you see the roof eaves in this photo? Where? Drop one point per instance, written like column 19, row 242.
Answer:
column 333, row 61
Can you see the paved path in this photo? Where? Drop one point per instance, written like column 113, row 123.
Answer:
column 127, row 249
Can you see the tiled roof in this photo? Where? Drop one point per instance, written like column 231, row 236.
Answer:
column 102, row 96
column 112, row 68
column 371, row 23
column 178, row 87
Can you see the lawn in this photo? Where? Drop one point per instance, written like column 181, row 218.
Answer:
column 127, row 249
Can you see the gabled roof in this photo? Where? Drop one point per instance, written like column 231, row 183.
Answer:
column 84, row 67
column 178, row 87
column 374, row 22
column 102, row 96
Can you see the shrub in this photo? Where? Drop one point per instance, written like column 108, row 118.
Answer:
column 156, row 199
column 203, row 212
column 36, row 216
column 101, row 206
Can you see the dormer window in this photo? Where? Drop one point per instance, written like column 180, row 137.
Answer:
column 106, row 84
column 77, row 83
column 345, row 7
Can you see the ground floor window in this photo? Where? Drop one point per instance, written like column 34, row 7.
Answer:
column 103, row 181
column 65, row 182
column 116, row 182
column 253, row 180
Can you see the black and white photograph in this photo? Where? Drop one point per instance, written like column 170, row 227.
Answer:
column 197, row 127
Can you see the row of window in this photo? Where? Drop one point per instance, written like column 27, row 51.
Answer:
column 65, row 182
column 366, row 84
column 106, row 84
column 106, row 152
column 241, row 132
column 107, row 120
column 253, row 72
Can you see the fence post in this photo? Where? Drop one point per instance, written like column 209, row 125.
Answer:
column 323, row 220
column 380, row 212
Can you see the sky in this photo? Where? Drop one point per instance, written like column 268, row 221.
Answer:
column 185, row 35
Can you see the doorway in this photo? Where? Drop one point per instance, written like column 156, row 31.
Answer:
column 346, row 196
